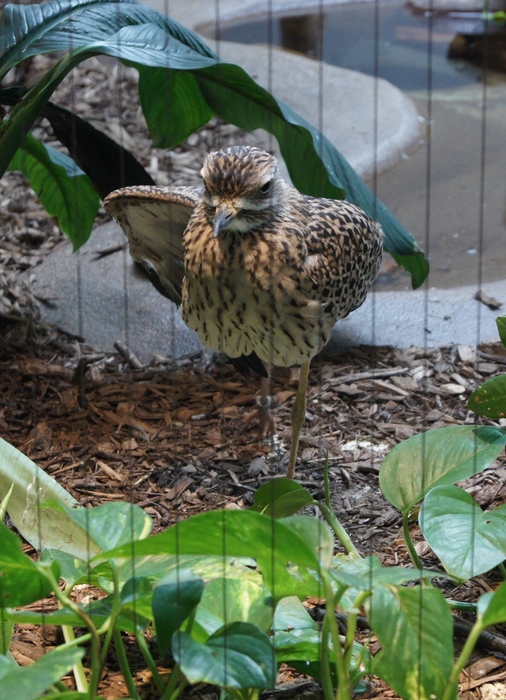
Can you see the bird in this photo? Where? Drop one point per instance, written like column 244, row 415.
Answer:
column 261, row 271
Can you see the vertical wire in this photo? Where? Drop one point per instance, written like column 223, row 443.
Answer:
column 270, row 81
column 319, row 55
column 217, row 33
column 481, row 229
column 374, row 185
column 427, row 231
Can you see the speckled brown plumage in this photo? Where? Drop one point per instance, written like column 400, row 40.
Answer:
column 285, row 269
column 258, row 267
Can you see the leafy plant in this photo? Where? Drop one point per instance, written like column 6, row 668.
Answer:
column 222, row 592
column 182, row 84
column 467, row 540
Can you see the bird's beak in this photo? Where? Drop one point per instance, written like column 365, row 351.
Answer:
column 224, row 215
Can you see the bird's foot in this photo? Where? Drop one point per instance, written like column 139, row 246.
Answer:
column 266, row 424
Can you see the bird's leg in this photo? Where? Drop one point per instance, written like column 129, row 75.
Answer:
column 298, row 416
column 266, row 425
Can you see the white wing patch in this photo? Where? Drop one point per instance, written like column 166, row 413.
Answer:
column 154, row 220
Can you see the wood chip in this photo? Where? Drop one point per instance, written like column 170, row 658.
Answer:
column 492, row 303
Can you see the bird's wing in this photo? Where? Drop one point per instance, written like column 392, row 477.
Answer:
column 154, row 220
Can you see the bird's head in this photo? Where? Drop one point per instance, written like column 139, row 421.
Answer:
column 243, row 188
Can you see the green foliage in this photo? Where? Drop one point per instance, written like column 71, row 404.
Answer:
column 63, row 189
column 182, row 83
column 21, row 582
column 223, row 590
column 403, row 619
column 489, row 399
column 28, row 682
column 467, row 540
column 440, row 456
column 478, row 538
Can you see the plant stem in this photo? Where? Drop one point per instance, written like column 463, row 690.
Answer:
column 141, row 641
column 463, row 607
column 66, row 602
column 124, row 665
column 172, row 689
column 343, row 676
column 415, row 559
column 502, row 569
column 451, row 686
column 336, row 526
column 351, row 627
column 326, row 481
column 326, row 675
column 78, row 668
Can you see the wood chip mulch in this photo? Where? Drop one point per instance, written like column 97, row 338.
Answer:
column 179, row 438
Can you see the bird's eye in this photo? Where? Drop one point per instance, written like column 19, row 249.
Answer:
column 266, row 188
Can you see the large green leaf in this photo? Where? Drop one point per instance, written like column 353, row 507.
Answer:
column 289, row 551
column 141, row 37
column 32, row 486
column 60, row 25
column 174, row 598
column 441, row 456
column 63, row 189
column 478, row 538
column 415, row 629
column 29, row 682
column 227, row 600
column 111, row 524
column 21, row 581
column 238, row 655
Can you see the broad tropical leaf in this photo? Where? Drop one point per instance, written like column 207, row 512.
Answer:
column 62, row 187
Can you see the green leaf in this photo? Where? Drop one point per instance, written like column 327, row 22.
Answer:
column 227, row 600
column 240, row 534
column 501, row 327
column 415, row 629
column 21, row 580
column 441, row 456
column 29, row 682
column 60, row 25
column 368, row 573
column 111, row 524
column 492, row 607
column 6, row 632
column 238, row 656
column 296, row 634
column 290, row 614
column 172, row 104
column 72, row 569
column 489, row 399
column 32, row 486
column 64, row 190
column 478, row 538
column 280, row 498
column 174, row 599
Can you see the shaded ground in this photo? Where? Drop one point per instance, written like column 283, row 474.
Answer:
column 178, row 438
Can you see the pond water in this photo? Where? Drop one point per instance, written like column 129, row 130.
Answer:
column 450, row 193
